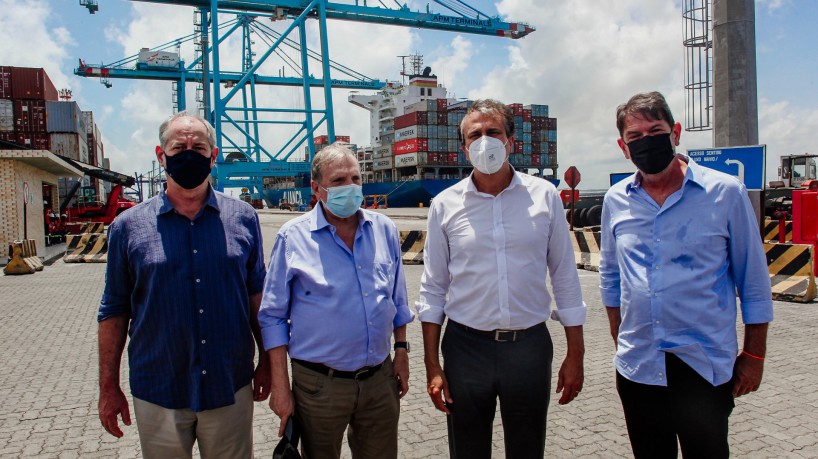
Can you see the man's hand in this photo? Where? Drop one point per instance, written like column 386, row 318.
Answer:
column 572, row 375
column 401, row 370
column 438, row 388
column 570, row 380
column 113, row 403
column 283, row 404
column 262, row 379
column 747, row 375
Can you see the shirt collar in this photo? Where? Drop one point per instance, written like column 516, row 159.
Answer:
column 166, row 206
column 318, row 221
column 515, row 181
column 693, row 175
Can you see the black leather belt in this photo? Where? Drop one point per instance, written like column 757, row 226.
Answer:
column 499, row 335
column 359, row 374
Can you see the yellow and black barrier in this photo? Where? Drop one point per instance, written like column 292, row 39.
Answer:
column 791, row 271
column 586, row 248
column 86, row 248
column 411, row 247
column 771, row 231
column 23, row 258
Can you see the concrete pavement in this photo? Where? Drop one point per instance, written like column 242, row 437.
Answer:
column 48, row 381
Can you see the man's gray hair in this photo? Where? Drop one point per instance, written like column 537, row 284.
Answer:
column 493, row 108
column 647, row 105
column 163, row 128
column 328, row 155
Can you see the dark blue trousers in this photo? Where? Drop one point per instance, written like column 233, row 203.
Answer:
column 689, row 408
column 480, row 371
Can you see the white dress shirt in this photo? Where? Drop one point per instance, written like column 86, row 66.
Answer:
column 486, row 258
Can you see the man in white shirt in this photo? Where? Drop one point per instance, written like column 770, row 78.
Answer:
column 491, row 240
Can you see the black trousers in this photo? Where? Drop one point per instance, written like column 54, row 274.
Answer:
column 689, row 408
column 480, row 370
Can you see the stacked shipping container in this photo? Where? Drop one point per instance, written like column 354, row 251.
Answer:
column 427, row 135
column 23, row 96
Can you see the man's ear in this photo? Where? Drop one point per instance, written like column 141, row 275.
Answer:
column 624, row 148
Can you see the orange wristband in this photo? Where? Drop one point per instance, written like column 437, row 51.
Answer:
column 743, row 352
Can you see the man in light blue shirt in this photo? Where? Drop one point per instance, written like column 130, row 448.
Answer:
column 334, row 294
column 678, row 241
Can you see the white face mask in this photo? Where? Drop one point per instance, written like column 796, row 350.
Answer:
column 487, row 154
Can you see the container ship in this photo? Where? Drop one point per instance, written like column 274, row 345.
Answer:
column 414, row 152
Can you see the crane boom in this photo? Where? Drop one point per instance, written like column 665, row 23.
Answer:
column 479, row 25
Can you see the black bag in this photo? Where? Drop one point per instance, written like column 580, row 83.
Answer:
column 287, row 448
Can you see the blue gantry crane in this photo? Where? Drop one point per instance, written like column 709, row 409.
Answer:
column 244, row 156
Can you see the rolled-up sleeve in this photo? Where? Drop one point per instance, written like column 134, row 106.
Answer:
column 274, row 313
column 748, row 263
column 609, row 285
column 562, row 267
column 434, row 284
column 400, row 297
column 116, row 297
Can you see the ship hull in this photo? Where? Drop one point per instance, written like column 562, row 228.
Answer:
column 409, row 193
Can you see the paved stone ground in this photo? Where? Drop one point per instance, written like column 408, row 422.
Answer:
column 48, row 380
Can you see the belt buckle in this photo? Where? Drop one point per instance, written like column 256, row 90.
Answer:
column 361, row 372
column 498, row 334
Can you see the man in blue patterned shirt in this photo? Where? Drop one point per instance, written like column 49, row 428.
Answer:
column 334, row 295
column 184, row 280
column 678, row 241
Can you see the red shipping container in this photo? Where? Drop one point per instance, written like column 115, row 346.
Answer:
column 550, row 124
column 441, row 105
column 342, row 138
column 29, row 116
column 442, row 118
column 552, row 148
column 34, row 140
column 321, row 140
column 411, row 146
column 518, row 146
column 31, row 83
column 517, row 109
column 535, row 147
column 535, row 159
column 526, row 115
column 410, row 119
column 433, row 159
column 451, row 159
column 5, row 82
column 10, row 137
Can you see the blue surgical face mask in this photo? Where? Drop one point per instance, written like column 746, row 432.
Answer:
column 344, row 200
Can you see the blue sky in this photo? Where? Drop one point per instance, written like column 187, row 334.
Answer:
column 584, row 59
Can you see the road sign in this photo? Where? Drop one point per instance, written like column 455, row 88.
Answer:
column 617, row 177
column 745, row 163
column 572, row 177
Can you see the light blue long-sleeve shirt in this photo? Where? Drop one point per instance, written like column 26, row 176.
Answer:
column 674, row 270
column 330, row 304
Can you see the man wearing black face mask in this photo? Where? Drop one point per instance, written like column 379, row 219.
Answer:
column 184, row 280
column 678, row 241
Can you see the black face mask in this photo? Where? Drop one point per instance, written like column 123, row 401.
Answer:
column 652, row 154
column 188, row 168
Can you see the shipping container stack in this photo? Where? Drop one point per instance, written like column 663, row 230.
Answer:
column 426, row 140
column 69, row 138
column 23, row 95
column 96, row 150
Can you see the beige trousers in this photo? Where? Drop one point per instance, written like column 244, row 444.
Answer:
column 225, row 432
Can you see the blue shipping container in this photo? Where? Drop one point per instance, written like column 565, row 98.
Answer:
column 64, row 117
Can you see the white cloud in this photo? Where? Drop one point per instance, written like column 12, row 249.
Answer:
column 453, row 61
column 27, row 40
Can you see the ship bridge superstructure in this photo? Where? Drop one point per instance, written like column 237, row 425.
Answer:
column 229, row 94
